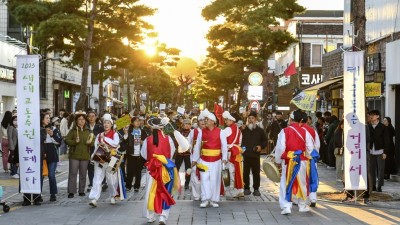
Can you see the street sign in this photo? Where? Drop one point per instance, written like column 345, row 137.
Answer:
column 255, row 93
column 255, row 79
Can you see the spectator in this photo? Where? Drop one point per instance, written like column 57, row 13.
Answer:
column 254, row 139
column 61, row 114
column 64, row 131
column 338, row 144
column 13, row 146
column 52, row 143
column 390, row 164
column 333, row 124
column 4, row 139
column 277, row 125
column 323, row 151
column 135, row 162
column 379, row 144
column 79, row 140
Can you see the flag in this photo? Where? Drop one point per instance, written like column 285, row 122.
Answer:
column 306, row 100
column 291, row 70
column 218, row 110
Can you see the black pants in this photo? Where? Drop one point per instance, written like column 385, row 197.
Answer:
column 134, row 166
column 252, row 164
column 331, row 155
column 178, row 162
column 376, row 170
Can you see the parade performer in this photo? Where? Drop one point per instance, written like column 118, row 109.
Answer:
column 235, row 159
column 210, row 149
column 108, row 140
column 195, row 174
column 293, row 148
column 162, row 178
column 314, row 157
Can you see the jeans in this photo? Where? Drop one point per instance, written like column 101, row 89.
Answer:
column 63, row 147
column 13, row 169
column 52, row 177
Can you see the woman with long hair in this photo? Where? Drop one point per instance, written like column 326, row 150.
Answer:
column 52, row 142
column 4, row 138
column 13, row 146
column 79, row 144
column 390, row 164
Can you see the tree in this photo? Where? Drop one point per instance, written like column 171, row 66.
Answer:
column 248, row 35
column 75, row 28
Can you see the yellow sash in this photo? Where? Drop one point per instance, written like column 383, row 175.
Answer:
column 210, row 152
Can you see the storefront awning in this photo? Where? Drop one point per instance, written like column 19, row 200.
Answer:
column 324, row 84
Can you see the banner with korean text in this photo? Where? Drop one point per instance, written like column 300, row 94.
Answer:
column 29, row 123
column 355, row 152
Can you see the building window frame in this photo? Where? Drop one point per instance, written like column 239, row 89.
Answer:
column 312, row 64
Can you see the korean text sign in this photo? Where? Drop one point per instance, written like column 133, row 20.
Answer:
column 355, row 152
column 29, row 123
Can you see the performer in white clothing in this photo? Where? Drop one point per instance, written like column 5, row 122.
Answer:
column 109, row 139
column 211, row 148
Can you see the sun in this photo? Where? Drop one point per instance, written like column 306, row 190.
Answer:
column 150, row 50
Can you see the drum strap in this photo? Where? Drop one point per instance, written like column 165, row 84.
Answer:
column 298, row 133
column 236, row 137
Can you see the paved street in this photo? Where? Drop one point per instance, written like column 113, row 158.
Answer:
column 249, row 210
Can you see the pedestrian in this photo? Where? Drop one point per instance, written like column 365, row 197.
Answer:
column 134, row 161
column 95, row 126
column 235, row 159
column 293, row 146
column 379, row 143
column 158, row 149
column 254, row 139
column 390, row 165
column 108, row 140
column 328, row 138
column 338, row 144
column 323, row 150
column 79, row 140
column 277, row 125
column 12, row 146
column 210, row 150
column 4, row 139
column 313, row 157
column 184, row 157
column 64, row 129
column 51, row 155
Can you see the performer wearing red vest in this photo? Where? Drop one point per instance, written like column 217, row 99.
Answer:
column 210, row 150
column 316, row 145
column 110, row 139
column 158, row 149
column 195, row 174
column 234, row 165
column 292, row 150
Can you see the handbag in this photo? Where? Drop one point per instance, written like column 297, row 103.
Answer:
column 45, row 171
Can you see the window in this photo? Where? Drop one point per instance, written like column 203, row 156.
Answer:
column 316, row 55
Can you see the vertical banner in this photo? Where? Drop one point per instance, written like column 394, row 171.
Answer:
column 355, row 152
column 29, row 123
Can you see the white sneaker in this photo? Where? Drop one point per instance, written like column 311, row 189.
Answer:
column 197, row 199
column 15, row 176
column 304, row 208
column 112, row 201
column 162, row 220
column 286, row 211
column 214, row 204
column 151, row 220
column 93, row 203
column 204, row 204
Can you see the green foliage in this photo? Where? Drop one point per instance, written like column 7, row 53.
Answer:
column 248, row 34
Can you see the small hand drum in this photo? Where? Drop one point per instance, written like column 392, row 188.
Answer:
column 226, row 177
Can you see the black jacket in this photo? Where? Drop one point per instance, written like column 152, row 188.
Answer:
column 251, row 139
column 51, row 149
column 128, row 144
column 379, row 137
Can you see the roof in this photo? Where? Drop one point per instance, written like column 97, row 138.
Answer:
column 321, row 13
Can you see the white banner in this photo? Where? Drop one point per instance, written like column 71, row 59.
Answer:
column 29, row 123
column 355, row 152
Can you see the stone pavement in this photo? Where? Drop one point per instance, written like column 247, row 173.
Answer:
column 248, row 210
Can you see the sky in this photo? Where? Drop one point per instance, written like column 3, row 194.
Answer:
column 180, row 25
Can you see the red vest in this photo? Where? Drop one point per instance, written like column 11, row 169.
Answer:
column 211, row 140
column 163, row 146
column 294, row 141
column 231, row 138
column 310, row 130
column 110, row 135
